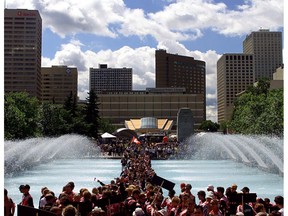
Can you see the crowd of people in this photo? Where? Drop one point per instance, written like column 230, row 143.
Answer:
column 134, row 193
column 158, row 149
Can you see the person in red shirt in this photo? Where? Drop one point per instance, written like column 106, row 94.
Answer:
column 27, row 199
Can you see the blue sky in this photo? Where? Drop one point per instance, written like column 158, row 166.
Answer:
column 125, row 33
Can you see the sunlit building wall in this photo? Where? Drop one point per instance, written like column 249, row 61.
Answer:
column 58, row 83
column 234, row 75
column 266, row 47
column 22, row 51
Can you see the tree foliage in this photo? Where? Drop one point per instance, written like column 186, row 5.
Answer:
column 259, row 111
column 53, row 120
column 210, row 126
column 91, row 113
column 106, row 126
column 26, row 117
column 21, row 116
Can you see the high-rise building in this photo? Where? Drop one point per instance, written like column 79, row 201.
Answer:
column 22, row 51
column 266, row 47
column 58, row 82
column 234, row 75
column 176, row 71
column 110, row 79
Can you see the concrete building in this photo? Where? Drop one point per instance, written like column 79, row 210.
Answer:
column 110, row 79
column 278, row 79
column 266, row 47
column 58, row 82
column 22, row 51
column 234, row 75
column 160, row 103
column 176, row 71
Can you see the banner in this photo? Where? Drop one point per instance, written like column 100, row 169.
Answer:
column 162, row 182
column 29, row 211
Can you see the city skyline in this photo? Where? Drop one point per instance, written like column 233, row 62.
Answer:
column 127, row 33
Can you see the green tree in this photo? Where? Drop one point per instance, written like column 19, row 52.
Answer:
column 262, row 87
column 271, row 120
column 106, row 126
column 224, row 126
column 92, row 114
column 210, row 126
column 70, row 104
column 52, row 120
column 259, row 111
column 71, row 114
column 21, row 116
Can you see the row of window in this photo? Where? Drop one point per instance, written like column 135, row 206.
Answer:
column 20, row 18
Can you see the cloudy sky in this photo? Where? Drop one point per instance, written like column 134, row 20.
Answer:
column 126, row 33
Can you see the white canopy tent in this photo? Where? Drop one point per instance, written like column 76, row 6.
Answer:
column 107, row 136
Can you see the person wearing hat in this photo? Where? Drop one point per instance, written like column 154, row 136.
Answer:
column 50, row 201
column 246, row 208
column 206, row 204
column 27, row 199
column 210, row 188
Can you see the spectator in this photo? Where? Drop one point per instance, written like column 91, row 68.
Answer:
column 9, row 205
column 69, row 211
column 279, row 202
column 27, row 199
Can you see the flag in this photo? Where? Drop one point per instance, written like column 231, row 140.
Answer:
column 135, row 140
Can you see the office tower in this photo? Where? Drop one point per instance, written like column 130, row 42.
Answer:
column 234, row 75
column 110, row 79
column 58, row 82
column 174, row 70
column 266, row 48
column 22, row 51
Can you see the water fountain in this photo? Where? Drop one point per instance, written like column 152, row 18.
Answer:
column 24, row 154
column 262, row 151
column 210, row 159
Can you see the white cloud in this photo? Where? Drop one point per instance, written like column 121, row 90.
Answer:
column 141, row 60
column 180, row 21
